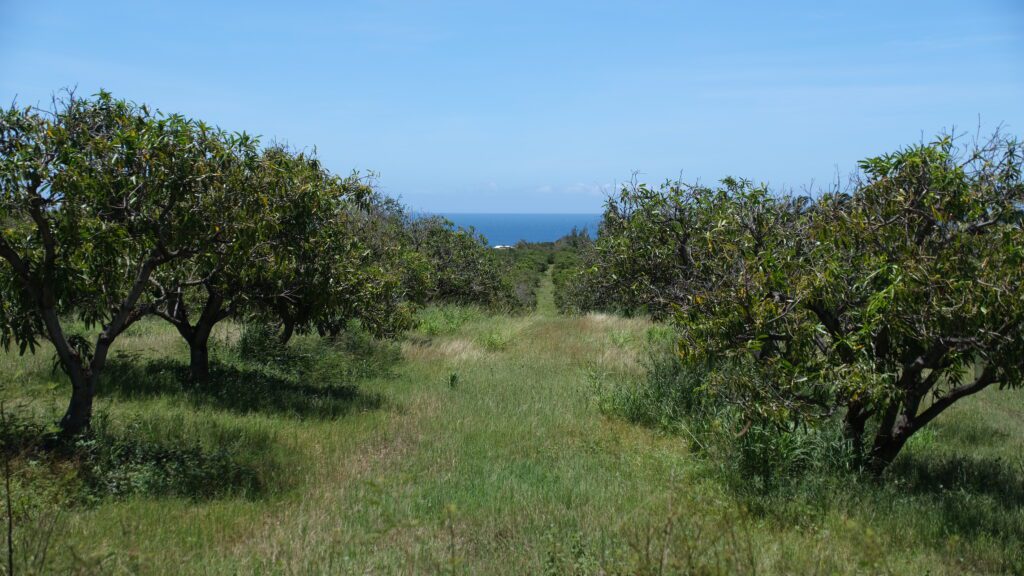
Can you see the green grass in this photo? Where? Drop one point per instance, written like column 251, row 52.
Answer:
column 509, row 468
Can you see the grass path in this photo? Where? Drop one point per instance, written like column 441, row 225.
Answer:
column 489, row 455
column 495, row 473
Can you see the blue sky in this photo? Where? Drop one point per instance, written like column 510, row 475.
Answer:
column 543, row 106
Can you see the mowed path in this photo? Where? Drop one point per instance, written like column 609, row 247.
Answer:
column 491, row 457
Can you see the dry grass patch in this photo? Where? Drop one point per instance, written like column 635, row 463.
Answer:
column 457, row 349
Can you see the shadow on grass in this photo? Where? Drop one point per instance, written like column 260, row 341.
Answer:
column 242, row 389
column 960, row 506
column 974, row 496
column 994, row 477
column 155, row 455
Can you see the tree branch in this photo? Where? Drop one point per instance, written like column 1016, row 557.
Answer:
column 984, row 380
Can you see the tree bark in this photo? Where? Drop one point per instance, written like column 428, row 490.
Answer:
column 198, row 340
column 885, row 452
column 78, row 415
column 199, row 360
column 902, row 420
column 198, row 336
column 199, row 345
column 287, row 330
column 893, row 432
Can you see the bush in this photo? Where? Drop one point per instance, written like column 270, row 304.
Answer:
column 497, row 340
column 694, row 400
column 354, row 354
column 440, row 320
column 667, row 395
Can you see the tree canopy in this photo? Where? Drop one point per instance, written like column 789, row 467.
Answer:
column 111, row 212
column 97, row 196
column 885, row 303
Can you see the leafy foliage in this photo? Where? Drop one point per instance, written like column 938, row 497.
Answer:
column 110, row 212
column 459, row 266
column 884, row 304
column 95, row 197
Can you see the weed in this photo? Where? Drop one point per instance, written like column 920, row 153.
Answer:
column 497, row 341
column 441, row 320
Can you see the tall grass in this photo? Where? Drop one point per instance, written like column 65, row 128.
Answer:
column 556, row 448
column 959, row 485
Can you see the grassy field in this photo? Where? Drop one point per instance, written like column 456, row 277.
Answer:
column 482, row 450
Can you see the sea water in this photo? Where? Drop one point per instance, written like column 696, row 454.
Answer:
column 507, row 229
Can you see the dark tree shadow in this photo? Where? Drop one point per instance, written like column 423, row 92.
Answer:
column 242, row 389
column 977, row 496
column 146, row 455
column 976, row 499
column 995, row 477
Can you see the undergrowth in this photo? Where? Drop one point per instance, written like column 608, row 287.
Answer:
column 939, row 490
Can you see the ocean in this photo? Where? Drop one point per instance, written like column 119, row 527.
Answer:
column 507, row 229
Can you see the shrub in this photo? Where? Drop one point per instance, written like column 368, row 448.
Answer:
column 164, row 456
column 497, row 340
column 354, row 354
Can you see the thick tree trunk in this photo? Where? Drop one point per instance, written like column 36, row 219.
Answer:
column 198, row 336
column 287, row 330
column 199, row 357
column 903, row 419
column 198, row 339
column 78, row 416
column 886, row 448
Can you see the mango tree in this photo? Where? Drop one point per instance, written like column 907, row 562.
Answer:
column 884, row 305
column 316, row 270
column 383, row 287
column 914, row 283
column 201, row 291
column 96, row 195
column 640, row 254
column 460, row 267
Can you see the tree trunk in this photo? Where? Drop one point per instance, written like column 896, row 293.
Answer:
column 79, row 413
column 892, row 435
column 199, row 357
column 287, row 329
column 853, row 430
column 885, row 450
column 198, row 336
